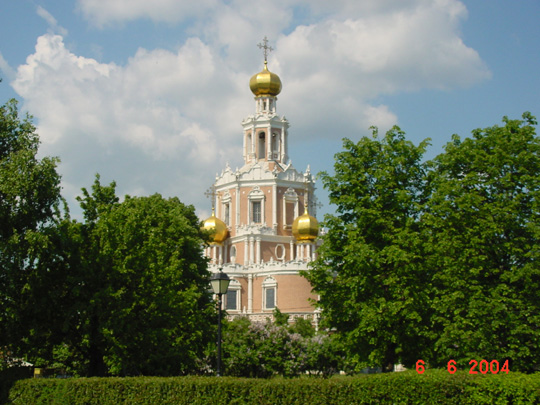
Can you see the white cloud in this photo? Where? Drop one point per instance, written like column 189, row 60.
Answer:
column 148, row 120
column 6, row 68
column 53, row 24
column 167, row 120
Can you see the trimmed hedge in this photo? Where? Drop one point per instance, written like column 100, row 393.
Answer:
column 434, row 386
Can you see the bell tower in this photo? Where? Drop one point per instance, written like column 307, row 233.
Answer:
column 267, row 241
column 265, row 134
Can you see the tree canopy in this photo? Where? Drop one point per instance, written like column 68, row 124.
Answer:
column 122, row 293
column 483, row 223
column 436, row 260
column 29, row 202
column 369, row 272
column 138, row 286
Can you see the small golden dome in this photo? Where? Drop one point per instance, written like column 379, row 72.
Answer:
column 305, row 228
column 218, row 228
column 265, row 83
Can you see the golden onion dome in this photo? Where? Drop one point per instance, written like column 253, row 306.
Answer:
column 305, row 228
column 217, row 227
column 265, row 83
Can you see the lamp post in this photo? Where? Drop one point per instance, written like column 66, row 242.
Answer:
column 219, row 282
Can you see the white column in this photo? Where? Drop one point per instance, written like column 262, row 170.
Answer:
column 244, row 147
column 254, row 141
column 263, row 210
column 308, row 252
column 214, row 254
column 274, row 205
column 251, row 252
column 246, row 251
column 237, row 208
column 220, row 250
column 313, row 254
column 250, row 293
column 291, row 244
column 286, row 145
column 282, row 146
column 258, row 251
column 298, row 250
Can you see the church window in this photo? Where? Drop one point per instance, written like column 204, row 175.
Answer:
column 248, row 145
column 270, row 298
column 275, row 147
column 269, row 293
column 256, row 200
column 262, row 145
column 231, row 299
column 290, row 207
column 227, row 214
column 289, row 212
column 256, row 212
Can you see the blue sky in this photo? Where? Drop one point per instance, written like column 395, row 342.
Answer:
column 152, row 93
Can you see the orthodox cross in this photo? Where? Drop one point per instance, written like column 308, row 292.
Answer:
column 266, row 49
column 314, row 204
column 211, row 193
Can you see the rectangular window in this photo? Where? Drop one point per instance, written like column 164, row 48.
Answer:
column 256, row 212
column 270, row 298
column 289, row 213
column 231, row 300
column 227, row 213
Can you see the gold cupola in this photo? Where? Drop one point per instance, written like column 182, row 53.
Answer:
column 217, row 227
column 305, row 228
column 265, row 83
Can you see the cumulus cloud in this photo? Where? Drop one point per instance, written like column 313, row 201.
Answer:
column 6, row 68
column 146, row 120
column 166, row 120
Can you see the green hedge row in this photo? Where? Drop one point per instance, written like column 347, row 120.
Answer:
column 434, row 386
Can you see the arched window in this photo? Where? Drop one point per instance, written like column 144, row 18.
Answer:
column 248, row 145
column 275, row 146
column 262, row 145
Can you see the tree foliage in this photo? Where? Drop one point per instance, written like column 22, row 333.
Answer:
column 29, row 202
column 369, row 271
column 483, row 219
column 435, row 260
column 142, row 306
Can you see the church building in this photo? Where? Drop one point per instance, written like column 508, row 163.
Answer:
column 263, row 227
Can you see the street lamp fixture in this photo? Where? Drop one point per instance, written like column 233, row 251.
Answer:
column 220, row 283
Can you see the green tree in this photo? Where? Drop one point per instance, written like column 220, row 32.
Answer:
column 145, row 309
column 123, row 293
column 29, row 207
column 369, row 272
column 484, row 238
